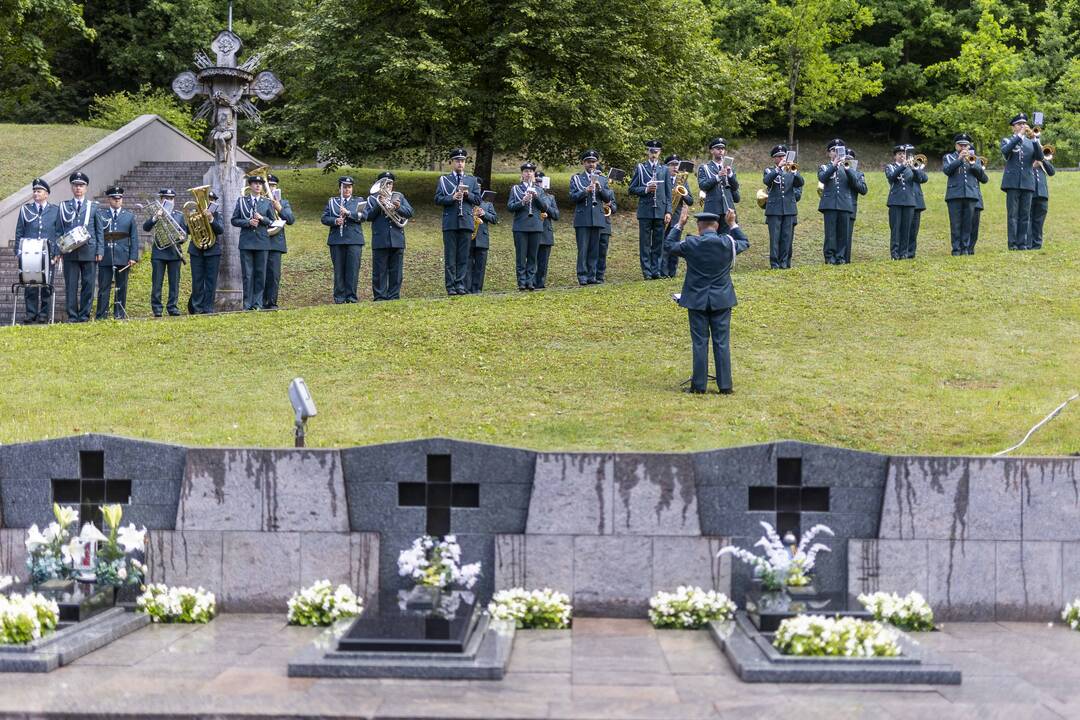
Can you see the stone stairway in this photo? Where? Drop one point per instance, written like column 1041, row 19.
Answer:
column 141, row 185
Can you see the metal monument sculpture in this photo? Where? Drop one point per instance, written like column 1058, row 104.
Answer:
column 228, row 89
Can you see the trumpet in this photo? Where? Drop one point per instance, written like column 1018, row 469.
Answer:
column 970, row 156
column 1031, row 134
column 762, row 197
column 1048, row 152
column 791, row 166
column 918, row 162
column 607, row 209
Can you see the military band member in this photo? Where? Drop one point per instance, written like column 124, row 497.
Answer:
column 669, row 264
column 458, row 194
column 120, row 243
column 610, row 208
column 344, row 215
column 965, row 172
column 707, row 293
column 254, row 214
column 387, row 242
column 547, row 241
column 1040, row 201
column 901, row 202
column 527, row 203
column 917, row 181
column 718, row 182
column 1018, row 181
column 650, row 185
column 165, row 260
column 589, row 191
column 479, row 245
column 80, row 266
column 205, row 263
column 781, row 210
column 836, row 205
column 283, row 211
column 39, row 219
column 858, row 188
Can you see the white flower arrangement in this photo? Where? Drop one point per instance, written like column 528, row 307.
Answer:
column 321, row 604
column 782, row 566
column 1071, row 614
column 817, row 635
column 48, row 551
column 532, row 609
column 6, row 581
column 689, row 608
column 116, row 562
column 25, row 618
column 910, row 612
column 166, row 604
column 437, row 563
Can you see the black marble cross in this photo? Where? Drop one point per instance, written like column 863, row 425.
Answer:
column 91, row 490
column 438, row 495
column 789, row 498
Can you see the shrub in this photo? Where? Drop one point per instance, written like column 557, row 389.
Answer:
column 25, row 618
column 178, row 604
column 816, row 635
column 689, row 608
column 1071, row 614
column 320, row 604
column 536, row 609
column 910, row 612
column 116, row 110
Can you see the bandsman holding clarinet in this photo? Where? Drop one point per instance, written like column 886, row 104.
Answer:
column 589, row 191
column 119, row 239
column 344, row 215
column 457, row 193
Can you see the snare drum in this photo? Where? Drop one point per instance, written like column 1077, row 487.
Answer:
column 74, row 239
column 34, row 262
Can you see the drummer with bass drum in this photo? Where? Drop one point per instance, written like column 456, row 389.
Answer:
column 37, row 232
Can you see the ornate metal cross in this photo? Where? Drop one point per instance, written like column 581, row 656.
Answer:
column 228, row 88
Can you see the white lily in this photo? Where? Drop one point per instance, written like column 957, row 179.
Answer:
column 131, row 538
column 112, row 515
column 65, row 515
column 35, row 539
column 90, row 533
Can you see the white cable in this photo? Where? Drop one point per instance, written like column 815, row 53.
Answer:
column 1042, row 422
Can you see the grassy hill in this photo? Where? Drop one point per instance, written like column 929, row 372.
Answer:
column 940, row 355
column 31, row 150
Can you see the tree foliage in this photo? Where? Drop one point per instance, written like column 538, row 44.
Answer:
column 985, row 83
column 114, row 111
column 813, row 81
column 425, row 75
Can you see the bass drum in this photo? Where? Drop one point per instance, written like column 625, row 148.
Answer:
column 34, row 262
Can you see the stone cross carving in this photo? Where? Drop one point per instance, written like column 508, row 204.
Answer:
column 91, row 490
column 789, row 498
column 438, row 495
column 228, row 88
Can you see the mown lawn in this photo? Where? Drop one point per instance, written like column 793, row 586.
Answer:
column 31, row 150
column 941, row 355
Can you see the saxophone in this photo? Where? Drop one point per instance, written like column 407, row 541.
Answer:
column 202, row 235
column 678, row 192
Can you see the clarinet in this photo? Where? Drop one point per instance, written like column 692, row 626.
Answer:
column 461, row 199
column 592, row 179
column 528, row 189
column 653, row 181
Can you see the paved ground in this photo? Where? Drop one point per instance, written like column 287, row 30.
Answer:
column 602, row 669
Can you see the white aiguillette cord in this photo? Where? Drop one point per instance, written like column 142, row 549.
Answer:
column 1038, row 425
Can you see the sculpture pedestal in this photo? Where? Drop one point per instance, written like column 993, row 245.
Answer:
column 227, row 182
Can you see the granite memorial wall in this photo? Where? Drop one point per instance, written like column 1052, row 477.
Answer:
column 981, row 538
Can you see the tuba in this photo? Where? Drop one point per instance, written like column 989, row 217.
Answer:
column 385, row 198
column 202, row 235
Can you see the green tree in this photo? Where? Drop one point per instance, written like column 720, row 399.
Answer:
column 413, row 77
column 800, row 35
column 986, row 84
column 26, row 50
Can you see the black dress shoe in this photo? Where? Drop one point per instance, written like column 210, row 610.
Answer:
column 530, row 287
column 594, row 281
column 726, row 391
column 693, row 391
column 522, row 288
